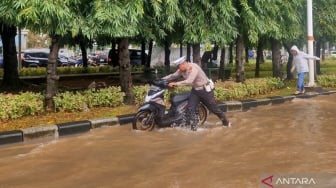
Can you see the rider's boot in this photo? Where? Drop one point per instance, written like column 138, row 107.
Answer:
column 225, row 121
column 193, row 120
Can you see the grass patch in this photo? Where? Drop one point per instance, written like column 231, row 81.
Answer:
column 62, row 117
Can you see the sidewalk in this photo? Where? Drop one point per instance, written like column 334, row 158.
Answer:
column 56, row 131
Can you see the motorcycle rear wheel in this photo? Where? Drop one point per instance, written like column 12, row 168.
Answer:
column 203, row 114
column 144, row 121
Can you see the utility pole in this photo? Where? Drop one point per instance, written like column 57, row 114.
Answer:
column 20, row 48
column 310, row 38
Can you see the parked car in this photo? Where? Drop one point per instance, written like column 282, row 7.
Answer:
column 333, row 53
column 39, row 58
column 63, row 61
column 90, row 62
column 135, row 57
column 35, row 58
column 1, row 61
column 101, row 59
column 72, row 61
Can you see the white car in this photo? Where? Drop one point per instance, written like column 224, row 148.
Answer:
column 333, row 53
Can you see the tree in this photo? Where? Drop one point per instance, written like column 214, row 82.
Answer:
column 260, row 56
column 83, row 9
column 221, row 74
column 161, row 23
column 56, row 18
column 8, row 25
column 207, row 22
column 120, row 19
column 324, row 25
column 248, row 25
column 279, row 22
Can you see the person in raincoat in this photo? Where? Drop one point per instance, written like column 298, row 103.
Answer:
column 300, row 64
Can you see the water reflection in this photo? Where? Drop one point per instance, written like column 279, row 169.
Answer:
column 295, row 137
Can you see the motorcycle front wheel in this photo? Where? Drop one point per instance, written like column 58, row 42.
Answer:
column 144, row 121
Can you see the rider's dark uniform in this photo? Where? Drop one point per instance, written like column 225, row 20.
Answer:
column 202, row 90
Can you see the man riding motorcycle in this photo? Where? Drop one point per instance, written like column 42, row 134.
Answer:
column 202, row 90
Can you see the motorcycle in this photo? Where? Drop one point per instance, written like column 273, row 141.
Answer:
column 154, row 113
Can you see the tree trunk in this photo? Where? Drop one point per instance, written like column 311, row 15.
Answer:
column 246, row 55
column 143, row 53
column 260, row 55
column 323, row 45
column 150, row 51
column 289, row 62
column 276, row 58
column 240, row 72
column 221, row 73
column 318, row 54
column 188, row 52
column 181, row 49
column 52, row 78
column 125, row 71
column 167, row 56
column 197, row 53
column 231, row 53
column 11, row 79
column 83, row 45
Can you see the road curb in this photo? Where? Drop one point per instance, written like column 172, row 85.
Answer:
column 105, row 121
column 73, row 127
column 78, row 127
column 9, row 137
column 125, row 119
column 41, row 132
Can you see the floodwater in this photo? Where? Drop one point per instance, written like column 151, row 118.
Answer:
column 295, row 137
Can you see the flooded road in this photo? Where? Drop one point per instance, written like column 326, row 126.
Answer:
column 295, row 137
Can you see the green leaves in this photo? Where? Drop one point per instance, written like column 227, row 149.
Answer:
column 107, row 97
column 325, row 19
column 17, row 105
column 208, row 21
column 115, row 18
column 81, row 101
column 202, row 21
column 52, row 17
column 252, row 87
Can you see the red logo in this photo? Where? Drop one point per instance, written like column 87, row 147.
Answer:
column 268, row 181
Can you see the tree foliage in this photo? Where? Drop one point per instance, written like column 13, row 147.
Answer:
column 208, row 21
column 325, row 20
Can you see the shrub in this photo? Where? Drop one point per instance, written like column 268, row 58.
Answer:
column 81, row 101
column 70, row 102
column 15, row 106
column 327, row 80
column 139, row 93
column 33, row 71
column 106, row 97
column 41, row 71
column 251, row 87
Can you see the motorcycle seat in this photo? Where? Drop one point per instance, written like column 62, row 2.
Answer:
column 176, row 98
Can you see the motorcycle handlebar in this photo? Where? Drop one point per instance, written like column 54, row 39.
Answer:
column 160, row 82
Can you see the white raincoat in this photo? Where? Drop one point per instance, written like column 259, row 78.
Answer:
column 300, row 60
